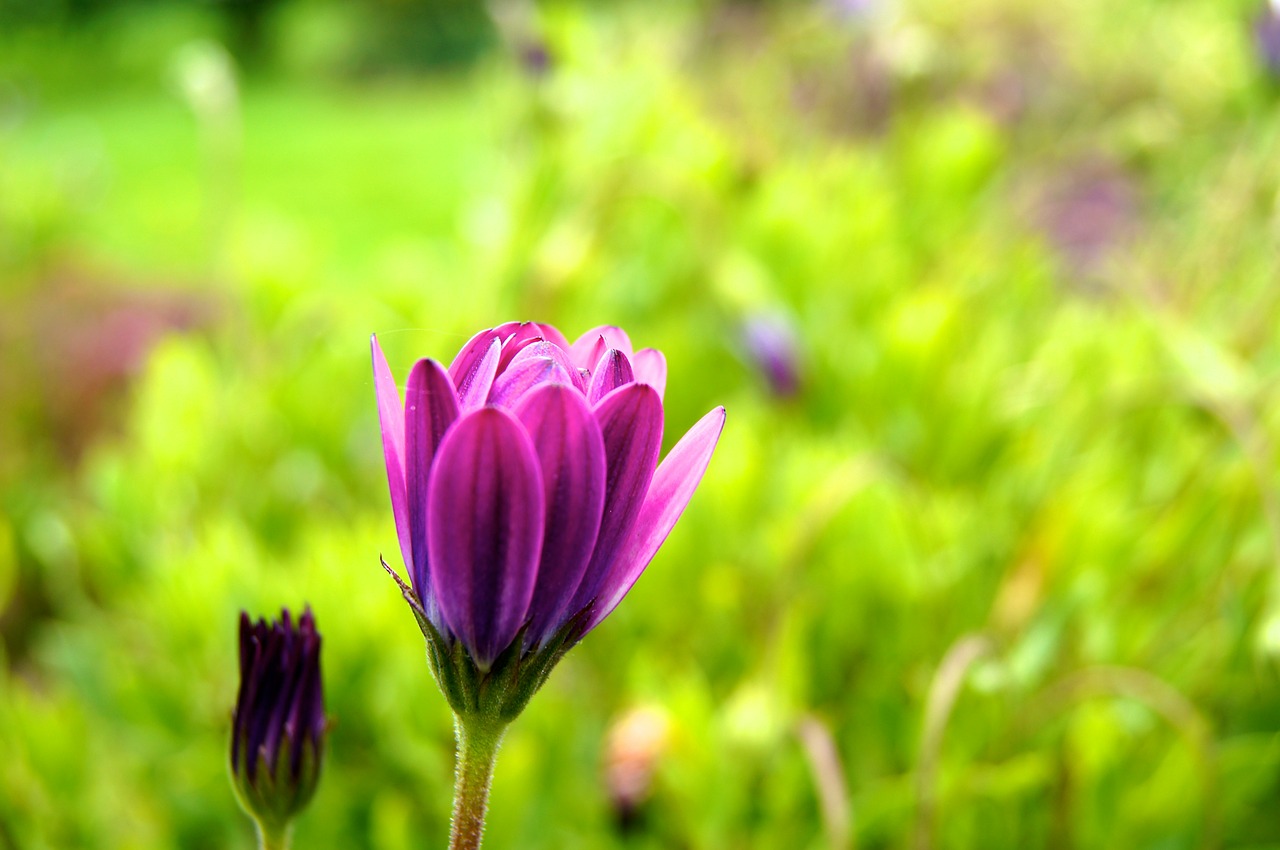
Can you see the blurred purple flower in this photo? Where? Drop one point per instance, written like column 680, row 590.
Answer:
column 535, row 57
column 1266, row 36
column 525, row 481
column 1088, row 210
column 279, row 724
column 853, row 10
column 772, row 346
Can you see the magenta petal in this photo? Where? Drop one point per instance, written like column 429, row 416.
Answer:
column 523, row 335
column 549, row 350
column 525, row 376
column 672, row 487
column 651, row 368
column 588, row 348
column 473, row 388
column 616, row 338
column 473, row 352
column 552, row 335
column 587, row 354
column 630, row 420
column 507, row 330
column 485, row 530
column 571, row 452
column 613, row 370
column 430, row 407
column 391, row 420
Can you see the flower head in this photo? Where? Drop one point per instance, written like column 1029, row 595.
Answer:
column 279, row 724
column 525, row 482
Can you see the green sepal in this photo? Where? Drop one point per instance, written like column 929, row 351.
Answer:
column 502, row 691
column 535, row 667
column 274, row 798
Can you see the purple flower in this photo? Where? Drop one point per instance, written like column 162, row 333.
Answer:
column 279, row 724
column 525, row 482
column 1266, row 36
column 772, row 347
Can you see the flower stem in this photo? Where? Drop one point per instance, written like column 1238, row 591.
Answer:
column 274, row 838
column 478, row 739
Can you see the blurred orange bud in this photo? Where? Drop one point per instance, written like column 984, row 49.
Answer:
column 636, row 742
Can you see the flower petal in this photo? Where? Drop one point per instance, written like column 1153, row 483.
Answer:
column 587, row 349
column 547, row 349
column 630, row 420
column 430, row 407
column 613, row 370
column 473, row 352
column 650, row 366
column 571, row 452
column 526, row 375
column 552, row 335
column 474, row 385
column 485, row 530
column 550, row 351
column 668, row 495
column 516, row 339
column 391, row 420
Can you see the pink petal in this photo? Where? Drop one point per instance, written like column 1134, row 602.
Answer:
column 430, row 407
column 523, row 335
column 668, row 495
column 551, row 351
column 485, row 530
column 611, row 372
column 526, row 375
column 552, row 335
column 472, row 353
column 630, row 420
column 651, row 368
column 587, row 349
column 391, row 420
column 571, row 452
column 473, row 388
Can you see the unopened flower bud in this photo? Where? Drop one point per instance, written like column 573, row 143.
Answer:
column 279, row 724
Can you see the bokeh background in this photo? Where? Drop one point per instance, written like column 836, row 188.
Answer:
column 989, row 555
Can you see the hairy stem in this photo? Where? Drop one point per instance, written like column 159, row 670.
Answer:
column 478, row 739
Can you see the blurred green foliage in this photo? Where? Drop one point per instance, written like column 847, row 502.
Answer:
column 1015, row 547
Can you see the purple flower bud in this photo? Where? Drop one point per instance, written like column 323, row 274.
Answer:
column 772, row 346
column 525, row 483
column 278, row 727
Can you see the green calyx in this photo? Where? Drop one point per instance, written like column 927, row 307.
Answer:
column 502, row 691
column 274, row 798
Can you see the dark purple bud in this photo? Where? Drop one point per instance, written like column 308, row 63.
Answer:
column 772, row 347
column 278, row 728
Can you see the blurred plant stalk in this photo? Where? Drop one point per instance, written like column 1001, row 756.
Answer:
column 205, row 75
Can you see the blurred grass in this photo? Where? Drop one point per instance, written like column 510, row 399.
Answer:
column 1030, row 254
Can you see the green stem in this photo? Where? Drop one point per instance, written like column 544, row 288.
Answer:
column 274, row 838
column 478, row 739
